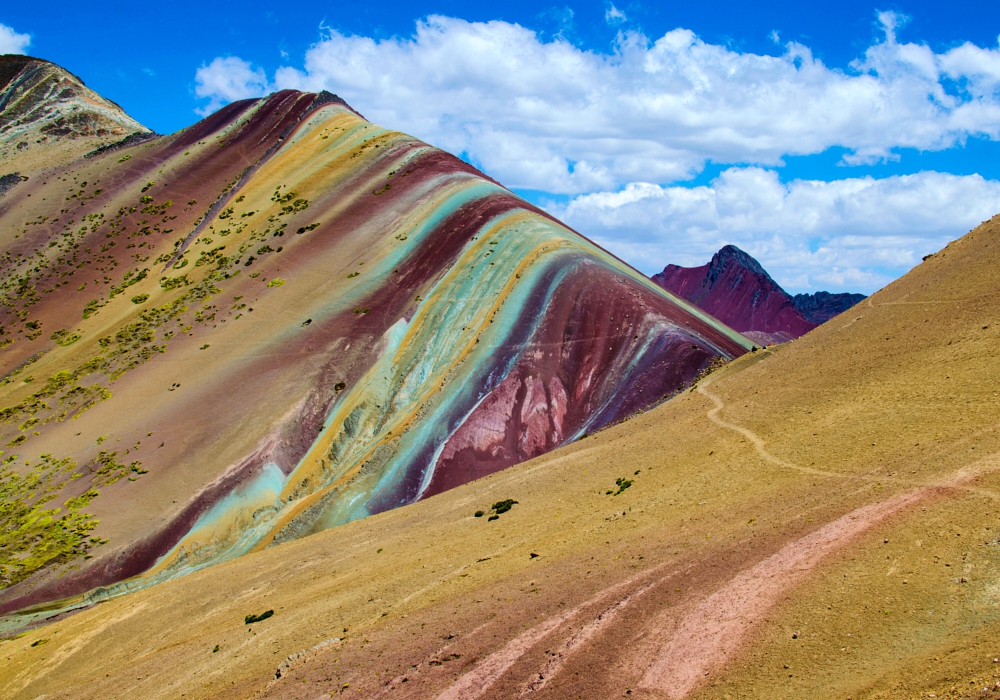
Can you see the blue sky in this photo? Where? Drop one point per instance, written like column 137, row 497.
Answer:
column 837, row 144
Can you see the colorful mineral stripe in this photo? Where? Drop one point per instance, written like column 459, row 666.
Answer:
column 285, row 318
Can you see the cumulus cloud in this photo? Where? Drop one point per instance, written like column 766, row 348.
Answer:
column 226, row 80
column 615, row 129
column 855, row 234
column 548, row 115
column 12, row 42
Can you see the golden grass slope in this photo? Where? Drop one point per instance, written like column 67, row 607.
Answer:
column 816, row 521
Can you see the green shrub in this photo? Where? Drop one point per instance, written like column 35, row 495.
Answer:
column 503, row 506
column 139, row 298
column 169, row 283
column 250, row 619
column 91, row 308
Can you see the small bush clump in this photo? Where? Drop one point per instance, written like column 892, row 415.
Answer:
column 503, row 506
column 250, row 619
column 498, row 509
column 622, row 484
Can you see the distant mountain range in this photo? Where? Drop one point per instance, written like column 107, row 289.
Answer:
column 737, row 290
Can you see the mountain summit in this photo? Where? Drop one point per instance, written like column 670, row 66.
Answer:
column 736, row 289
column 49, row 117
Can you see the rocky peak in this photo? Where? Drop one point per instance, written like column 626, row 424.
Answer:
column 731, row 255
column 48, row 114
column 737, row 290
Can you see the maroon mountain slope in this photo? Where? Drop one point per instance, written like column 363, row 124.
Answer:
column 735, row 289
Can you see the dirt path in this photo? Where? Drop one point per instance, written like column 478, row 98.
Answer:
column 712, row 630
column 475, row 683
column 710, row 634
column 758, row 443
column 704, row 638
column 675, row 644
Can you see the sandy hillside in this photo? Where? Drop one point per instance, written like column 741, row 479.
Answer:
column 816, row 521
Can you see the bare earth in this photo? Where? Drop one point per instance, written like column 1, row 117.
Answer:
column 819, row 520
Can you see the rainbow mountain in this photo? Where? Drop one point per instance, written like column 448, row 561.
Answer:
column 282, row 319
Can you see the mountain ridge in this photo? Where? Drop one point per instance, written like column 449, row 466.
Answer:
column 353, row 320
column 820, row 307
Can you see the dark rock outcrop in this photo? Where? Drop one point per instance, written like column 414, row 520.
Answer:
column 9, row 181
column 820, row 307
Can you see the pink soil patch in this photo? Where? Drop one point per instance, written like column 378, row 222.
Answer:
column 713, row 631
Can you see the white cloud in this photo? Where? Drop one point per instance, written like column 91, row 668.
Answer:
column 854, row 234
column 614, row 16
column 12, row 42
column 226, row 80
column 548, row 115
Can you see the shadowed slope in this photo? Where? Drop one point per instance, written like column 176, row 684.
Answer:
column 820, row 307
column 817, row 520
column 285, row 318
